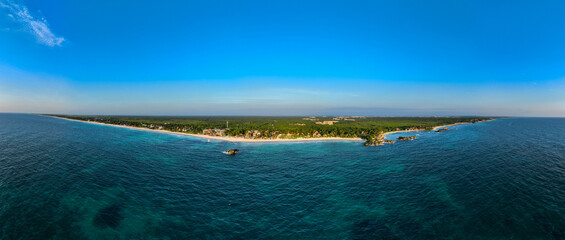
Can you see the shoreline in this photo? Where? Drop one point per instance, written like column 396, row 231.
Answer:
column 237, row 139
column 226, row 138
column 434, row 128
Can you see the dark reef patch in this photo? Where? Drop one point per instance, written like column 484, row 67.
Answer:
column 390, row 227
column 372, row 229
column 109, row 216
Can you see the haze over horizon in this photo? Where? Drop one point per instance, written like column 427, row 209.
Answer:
column 376, row 58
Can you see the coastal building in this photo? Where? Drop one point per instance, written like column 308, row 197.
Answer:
column 214, row 132
column 219, row 132
column 310, row 118
column 327, row 122
column 253, row 134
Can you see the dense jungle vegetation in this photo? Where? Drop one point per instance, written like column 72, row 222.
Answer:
column 278, row 127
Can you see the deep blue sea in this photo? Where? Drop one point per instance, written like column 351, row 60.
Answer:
column 61, row 179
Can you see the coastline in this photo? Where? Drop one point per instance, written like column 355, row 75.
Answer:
column 450, row 125
column 238, row 139
column 226, row 138
column 434, row 128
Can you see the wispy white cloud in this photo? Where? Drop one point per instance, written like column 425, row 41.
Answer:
column 38, row 27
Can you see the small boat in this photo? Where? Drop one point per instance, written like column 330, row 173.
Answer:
column 232, row 151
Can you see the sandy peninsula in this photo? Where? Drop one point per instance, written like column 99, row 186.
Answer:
column 434, row 128
column 239, row 139
column 226, row 138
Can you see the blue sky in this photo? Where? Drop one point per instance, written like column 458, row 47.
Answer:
column 283, row 57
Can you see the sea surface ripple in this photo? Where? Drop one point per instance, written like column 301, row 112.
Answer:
column 60, row 179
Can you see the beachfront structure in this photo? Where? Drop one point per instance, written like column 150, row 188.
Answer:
column 214, row 132
column 327, row 122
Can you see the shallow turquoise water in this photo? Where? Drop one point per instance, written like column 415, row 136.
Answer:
column 59, row 179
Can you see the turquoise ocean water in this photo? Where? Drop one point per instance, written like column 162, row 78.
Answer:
column 60, row 179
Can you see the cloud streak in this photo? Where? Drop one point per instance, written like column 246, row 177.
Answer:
column 38, row 27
